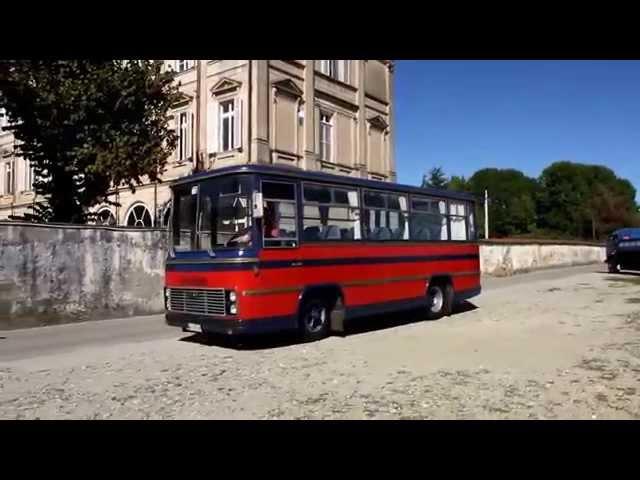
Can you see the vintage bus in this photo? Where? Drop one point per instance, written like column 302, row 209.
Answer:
column 259, row 248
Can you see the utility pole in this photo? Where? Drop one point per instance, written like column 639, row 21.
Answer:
column 486, row 215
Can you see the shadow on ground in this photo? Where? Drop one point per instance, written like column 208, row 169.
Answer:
column 621, row 274
column 355, row 327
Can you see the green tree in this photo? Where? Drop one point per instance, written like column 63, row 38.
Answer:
column 512, row 200
column 86, row 126
column 459, row 184
column 435, row 178
column 586, row 201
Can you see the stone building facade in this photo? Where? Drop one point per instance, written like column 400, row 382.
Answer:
column 328, row 115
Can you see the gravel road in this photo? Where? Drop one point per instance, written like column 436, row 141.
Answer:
column 553, row 345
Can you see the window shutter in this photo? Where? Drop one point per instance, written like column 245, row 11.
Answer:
column 237, row 118
column 212, row 126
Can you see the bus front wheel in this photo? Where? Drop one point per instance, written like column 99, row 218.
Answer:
column 439, row 300
column 314, row 320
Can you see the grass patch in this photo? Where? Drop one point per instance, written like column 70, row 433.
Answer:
column 633, row 300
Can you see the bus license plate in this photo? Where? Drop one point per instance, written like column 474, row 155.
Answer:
column 194, row 327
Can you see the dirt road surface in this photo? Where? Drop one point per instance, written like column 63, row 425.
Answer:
column 561, row 344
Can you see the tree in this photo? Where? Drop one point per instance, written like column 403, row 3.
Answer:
column 459, row 184
column 584, row 200
column 87, row 126
column 435, row 178
column 512, row 200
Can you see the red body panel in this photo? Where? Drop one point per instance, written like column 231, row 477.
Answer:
column 271, row 292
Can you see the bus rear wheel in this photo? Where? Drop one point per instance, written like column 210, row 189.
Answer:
column 314, row 321
column 439, row 300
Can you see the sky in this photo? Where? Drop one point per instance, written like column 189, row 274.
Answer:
column 467, row 115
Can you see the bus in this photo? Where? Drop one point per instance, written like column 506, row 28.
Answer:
column 265, row 248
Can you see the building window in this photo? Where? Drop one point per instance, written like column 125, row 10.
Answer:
column 9, row 178
column 28, row 176
column 4, row 120
column 326, row 132
column 166, row 215
column 228, row 123
column 336, row 69
column 106, row 217
column 184, row 65
column 139, row 216
column 184, row 133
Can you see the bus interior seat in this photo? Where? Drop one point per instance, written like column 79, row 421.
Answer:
column 382, row 233
column 332, row 232
column 311, row 233
column 346, row 233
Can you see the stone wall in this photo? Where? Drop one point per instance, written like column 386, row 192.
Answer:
column 55, row 274
column 503, row 259
column 59, row 274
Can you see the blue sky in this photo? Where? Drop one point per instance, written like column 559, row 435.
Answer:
column 467, row 115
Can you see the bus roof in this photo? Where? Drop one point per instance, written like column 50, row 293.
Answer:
column 300, row 174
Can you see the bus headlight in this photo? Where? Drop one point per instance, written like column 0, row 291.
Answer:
column 232, row 298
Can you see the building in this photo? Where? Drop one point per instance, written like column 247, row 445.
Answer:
column 330, row 115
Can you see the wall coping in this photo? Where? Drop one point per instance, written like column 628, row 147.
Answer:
column 72, row 226
column 525, row 241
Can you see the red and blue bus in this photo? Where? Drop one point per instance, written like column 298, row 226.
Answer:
column 259, row 248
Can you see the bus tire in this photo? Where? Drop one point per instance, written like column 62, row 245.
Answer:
column 314, row 320
column 440, row 297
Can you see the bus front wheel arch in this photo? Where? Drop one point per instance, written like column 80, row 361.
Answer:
column 440, row 298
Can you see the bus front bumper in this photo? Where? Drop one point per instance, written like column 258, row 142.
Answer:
column 229, row 326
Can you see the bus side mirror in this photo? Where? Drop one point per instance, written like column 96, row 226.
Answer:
column 258, row 207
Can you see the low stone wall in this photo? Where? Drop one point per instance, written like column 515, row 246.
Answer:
column 59, row 274
column 503, row 259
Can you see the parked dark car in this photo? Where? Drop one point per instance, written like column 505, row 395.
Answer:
column 623, row 250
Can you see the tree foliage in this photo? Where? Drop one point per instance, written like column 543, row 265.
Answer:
column 512, row 207
column 87, row 126
column 435, row 178
column 585, row 200
column 568, row 200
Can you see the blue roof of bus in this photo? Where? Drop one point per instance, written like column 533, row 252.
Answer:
column 323, row 177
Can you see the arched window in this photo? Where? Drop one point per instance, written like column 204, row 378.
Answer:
column 166, row 214
column 139, row 216
column 106, row 217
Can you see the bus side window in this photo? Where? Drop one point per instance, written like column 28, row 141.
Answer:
column 385, row 216
column 330, row 213
column 458, row 220
column 428, row 219
column 279, row 221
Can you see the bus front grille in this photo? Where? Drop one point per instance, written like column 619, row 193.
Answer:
column 198, row 301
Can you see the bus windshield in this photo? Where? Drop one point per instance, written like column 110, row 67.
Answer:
column 214, row 214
